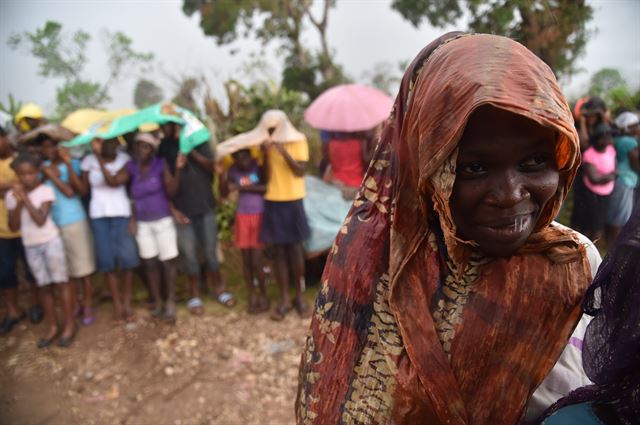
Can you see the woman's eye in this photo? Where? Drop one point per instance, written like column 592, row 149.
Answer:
column 535, row 162
column 472, row 169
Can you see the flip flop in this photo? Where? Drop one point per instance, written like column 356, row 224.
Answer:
column 226, row 299
column 66, row 342
column 8, row 323
column 195, row 306
column 45, row 342
column 89, row 318
column 280, row 312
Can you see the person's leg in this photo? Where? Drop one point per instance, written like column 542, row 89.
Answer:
column 49, row 316
column 187, row 248
column 152, row 271
column 207, row 234
column 281, row 271
column 295, row 262
column 169, row 267
column 111, row 279
column 8, row 278
column 88, row 317
column 257, row 265
column 105, row 261
column 66, row 296
column 127, row 277
column 247, row 272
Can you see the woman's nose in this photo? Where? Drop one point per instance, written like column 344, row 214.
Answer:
column 507, row 190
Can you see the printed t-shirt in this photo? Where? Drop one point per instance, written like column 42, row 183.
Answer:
column 32, row 234
column 345, row 156
column 66, row 210
column 148, row 192
column 195, row 194
column 283, row 185
column 106, row 201
column 6, row 175
column 248, row 202
column 604, row 163
column 626, row 174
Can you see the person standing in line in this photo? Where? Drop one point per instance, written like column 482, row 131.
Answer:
column 284, row 223
column 154, row 229
column 63, row 176
column 628, row 165
column 29, row 204
column 246, row 177
column 110, row 213
column 11, row 249
column 195, row 214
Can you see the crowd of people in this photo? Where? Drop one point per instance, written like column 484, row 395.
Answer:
column 144, row 207
column 450, row 295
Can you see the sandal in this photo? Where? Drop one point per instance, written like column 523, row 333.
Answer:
column 280, row 312
column 66, row 341
column 8, row 323
column 302, row 308
column 45, row 342
column 226, row 299
column 88, row 319
column 195, row 306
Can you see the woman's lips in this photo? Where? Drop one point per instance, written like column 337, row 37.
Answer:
column 509, row 229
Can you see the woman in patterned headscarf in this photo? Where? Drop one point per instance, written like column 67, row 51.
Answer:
column 449, row 293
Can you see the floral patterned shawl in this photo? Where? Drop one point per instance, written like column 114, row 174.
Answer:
column 413, row 325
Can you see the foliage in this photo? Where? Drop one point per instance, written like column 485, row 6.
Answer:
column 12, row 106
column 146, row 93
column 609, row 85
column 275, row 20
column 555, row 30
column 63, row 55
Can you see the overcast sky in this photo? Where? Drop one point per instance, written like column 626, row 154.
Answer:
column 361, row 32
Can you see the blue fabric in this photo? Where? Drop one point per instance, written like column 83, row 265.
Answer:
column 624, row 145
column 200, row 235
column 325, row 210
column 66, row 210
column 576, row 414
column 115, row 247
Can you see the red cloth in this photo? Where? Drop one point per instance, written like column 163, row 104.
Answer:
column 345, row 156
column 247, row 231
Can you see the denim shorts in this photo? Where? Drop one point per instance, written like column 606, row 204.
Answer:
column 201, row 235
column 115, row 247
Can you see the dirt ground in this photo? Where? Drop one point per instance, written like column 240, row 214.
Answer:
column 222, row 368
column 226, row 367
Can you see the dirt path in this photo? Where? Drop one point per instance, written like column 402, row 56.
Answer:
column 223, row 368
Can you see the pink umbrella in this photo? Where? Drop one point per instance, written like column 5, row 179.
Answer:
column 349, row 107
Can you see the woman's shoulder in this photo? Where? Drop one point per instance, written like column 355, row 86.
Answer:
column 593, row 255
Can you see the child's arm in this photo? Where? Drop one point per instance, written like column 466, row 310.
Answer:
column 114, row 180
column 14, row 213
column 595, row 177
column 634, row 160
column 38, row 215
column 172, row 181
column 297, row 167
column 51, row 173
column 74, row 179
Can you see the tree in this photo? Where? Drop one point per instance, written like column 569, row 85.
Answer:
column 146, row 93
column 63, row 56
column 609, row 85
column 555, row 30
column 279, row 20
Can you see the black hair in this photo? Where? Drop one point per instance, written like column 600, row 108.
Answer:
column 241, row 151
column 600, row 130
column 25, row 158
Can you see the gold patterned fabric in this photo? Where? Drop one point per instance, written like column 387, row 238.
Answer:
column 412, row 324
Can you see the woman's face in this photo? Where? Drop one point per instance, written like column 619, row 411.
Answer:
column 506, row 173
column 49, row 149
column 144, row 151
column 109, row 149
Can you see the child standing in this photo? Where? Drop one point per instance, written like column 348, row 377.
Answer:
column 63, row 176
column 599, row 165
column 29, row 205
column 155, row 231
column 110, row 211
column 246, row 177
